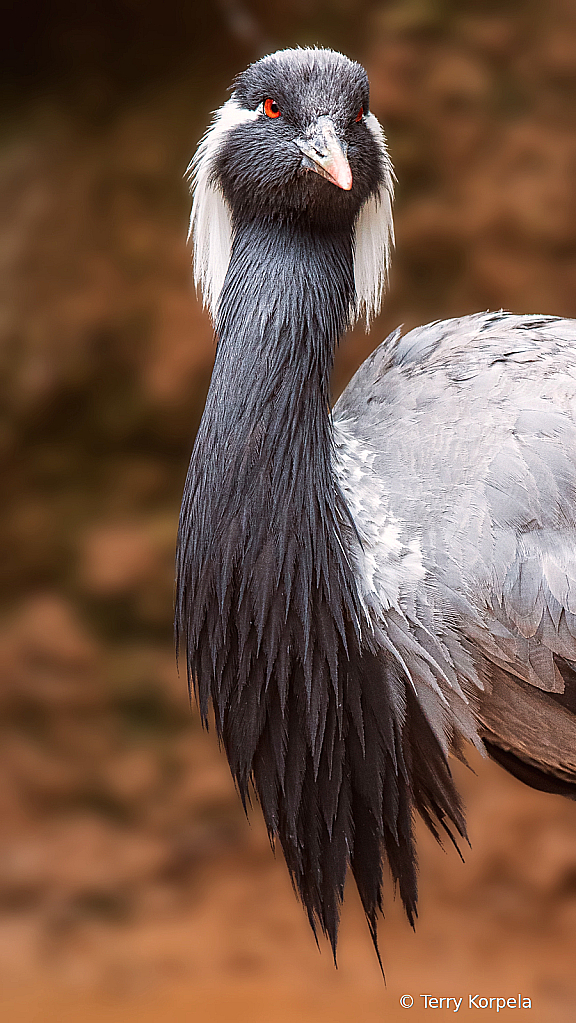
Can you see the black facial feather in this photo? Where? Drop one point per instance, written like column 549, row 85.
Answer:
column 313, row 714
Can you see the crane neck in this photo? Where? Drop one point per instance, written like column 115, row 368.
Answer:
column 284, row 305
column 262, row 459
column 261, row 487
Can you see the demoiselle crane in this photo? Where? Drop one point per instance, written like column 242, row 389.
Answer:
column 364, row 590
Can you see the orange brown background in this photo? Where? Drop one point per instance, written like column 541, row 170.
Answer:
column 131, row 886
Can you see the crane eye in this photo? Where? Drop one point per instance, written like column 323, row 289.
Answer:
column 360, row 114
column 271, row 108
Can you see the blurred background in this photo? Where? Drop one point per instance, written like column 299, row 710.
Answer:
column 131, row 885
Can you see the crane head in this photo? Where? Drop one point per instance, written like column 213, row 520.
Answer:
column 295, row 144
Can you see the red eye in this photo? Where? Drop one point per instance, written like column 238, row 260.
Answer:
column 360, row 114
column 271, row 108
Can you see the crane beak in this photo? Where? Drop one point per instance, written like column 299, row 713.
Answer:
column 325, row 153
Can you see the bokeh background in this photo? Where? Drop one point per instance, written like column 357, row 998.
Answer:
column 131, row 885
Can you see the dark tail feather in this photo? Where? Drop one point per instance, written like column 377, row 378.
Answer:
column 531, row 733
column 530, row 774
column 375, row 767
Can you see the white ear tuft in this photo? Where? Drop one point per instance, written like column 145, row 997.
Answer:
column 374, row 236
column 210, row 221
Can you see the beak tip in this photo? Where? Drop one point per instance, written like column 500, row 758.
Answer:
column 344, row 181
column 340, row 173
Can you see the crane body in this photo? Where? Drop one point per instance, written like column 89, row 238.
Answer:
column 363, row 591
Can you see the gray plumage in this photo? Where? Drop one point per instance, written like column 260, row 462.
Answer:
column 361, row 592
column 460, row 440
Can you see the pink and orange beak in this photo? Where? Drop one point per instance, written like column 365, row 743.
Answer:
column 325, row 153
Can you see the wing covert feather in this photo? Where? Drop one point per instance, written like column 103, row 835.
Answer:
column 463, row 439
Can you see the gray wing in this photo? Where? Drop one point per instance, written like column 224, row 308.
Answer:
column 456, row 449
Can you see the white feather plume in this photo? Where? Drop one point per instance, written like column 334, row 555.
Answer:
column 374, row 236
column 210, row 221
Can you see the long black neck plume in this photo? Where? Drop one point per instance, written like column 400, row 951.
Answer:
column 310, row 712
